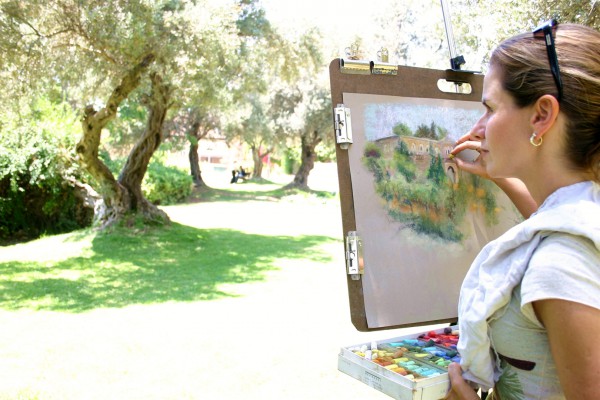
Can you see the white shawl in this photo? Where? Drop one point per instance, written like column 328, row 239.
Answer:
column 500, row 267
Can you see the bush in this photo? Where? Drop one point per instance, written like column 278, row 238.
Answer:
column 162, row 184
column 291, row 160
column 36, row 168
column 166, row 185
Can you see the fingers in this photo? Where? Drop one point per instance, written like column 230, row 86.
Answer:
column 464, row 138
column 464, row 145
column 473, row 165
column 460, row 389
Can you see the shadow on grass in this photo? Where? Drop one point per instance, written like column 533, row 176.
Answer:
column 240, row 193
column 177, row 263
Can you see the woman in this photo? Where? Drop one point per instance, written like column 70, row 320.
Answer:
column 529, row 309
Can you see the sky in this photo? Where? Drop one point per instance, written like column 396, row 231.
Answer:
column 340, row 21
column 335, row 15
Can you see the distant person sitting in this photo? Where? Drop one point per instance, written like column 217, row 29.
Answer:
column 242, row 174
column 234, row 176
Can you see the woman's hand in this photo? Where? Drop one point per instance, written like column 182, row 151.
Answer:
column 476, row 166
column 513, row 187
column 459, row 388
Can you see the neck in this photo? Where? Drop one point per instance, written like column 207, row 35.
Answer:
column 542, row 187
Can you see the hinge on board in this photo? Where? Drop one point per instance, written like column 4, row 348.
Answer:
column 354, row 256
column 343, row 126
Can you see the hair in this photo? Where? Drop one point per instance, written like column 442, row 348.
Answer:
column 525, row 69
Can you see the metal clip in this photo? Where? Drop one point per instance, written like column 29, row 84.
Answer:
column 352, row 66
column 343, row 126
column 381, row 68
column 354, row 256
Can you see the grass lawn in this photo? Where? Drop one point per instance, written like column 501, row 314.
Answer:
column 242, row 297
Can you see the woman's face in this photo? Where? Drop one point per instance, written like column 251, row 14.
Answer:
column 503, row 130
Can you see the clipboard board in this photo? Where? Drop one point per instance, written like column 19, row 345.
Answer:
column 412, row 221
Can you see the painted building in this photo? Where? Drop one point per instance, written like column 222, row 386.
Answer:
column 420, row 150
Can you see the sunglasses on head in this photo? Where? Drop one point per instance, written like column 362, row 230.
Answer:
column 546, row 31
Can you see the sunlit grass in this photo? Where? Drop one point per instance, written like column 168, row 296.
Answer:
column 120, row 268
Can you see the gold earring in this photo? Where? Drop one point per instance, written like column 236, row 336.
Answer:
column 533, row 142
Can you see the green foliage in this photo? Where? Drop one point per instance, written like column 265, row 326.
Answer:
column 402, row 129
column 325, row 152
column 291, row 160
column 252, row 21
column 445, row 229
column 404, row 164
column 371, row 160
column 37, row 171
column 429, row 132
column 436, row 173
column 166, row 185
column 162, row 184
column 129, row 124
column 426, row 201
column 372, row 150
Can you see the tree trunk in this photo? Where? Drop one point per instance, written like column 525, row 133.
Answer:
column 257, row 162
column 136, row 166
column 123, row 195
column 307, row 162
column 195, row 165
column 257, row 158
column 194, row 157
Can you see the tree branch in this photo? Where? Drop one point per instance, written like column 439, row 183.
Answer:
column 129, row 82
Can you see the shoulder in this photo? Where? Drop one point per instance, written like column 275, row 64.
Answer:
column 558, row 246
column 564, row 267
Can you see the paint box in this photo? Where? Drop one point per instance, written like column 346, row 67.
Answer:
column 432, row 386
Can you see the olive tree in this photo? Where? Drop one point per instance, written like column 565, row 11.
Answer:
column 108, row 52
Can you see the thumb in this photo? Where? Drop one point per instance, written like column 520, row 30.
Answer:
column 455, row 373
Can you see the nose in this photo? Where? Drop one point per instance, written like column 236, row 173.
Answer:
column 478, row 130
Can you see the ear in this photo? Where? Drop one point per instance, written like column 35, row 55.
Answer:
column 545, row 113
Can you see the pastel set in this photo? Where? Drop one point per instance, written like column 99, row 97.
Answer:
column 423, row 357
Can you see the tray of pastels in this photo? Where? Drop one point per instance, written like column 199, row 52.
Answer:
column 411, row 367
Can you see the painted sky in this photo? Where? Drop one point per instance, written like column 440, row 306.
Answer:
column 380, row 118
